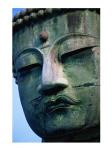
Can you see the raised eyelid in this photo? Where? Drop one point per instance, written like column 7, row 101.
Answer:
column 28, row 67
column 27, row 61
column 77, row 51
column 69, row 35
column 30, row 49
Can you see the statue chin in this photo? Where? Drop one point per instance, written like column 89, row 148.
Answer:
column 62, row 122
column 72, row 133
column 61, row 125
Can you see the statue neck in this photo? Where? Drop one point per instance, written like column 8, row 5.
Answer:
column 86, row 135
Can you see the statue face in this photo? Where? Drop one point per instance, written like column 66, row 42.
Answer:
column 59, row 84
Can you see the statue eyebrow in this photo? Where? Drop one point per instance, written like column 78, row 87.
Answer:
column 65, row 37
column 68, row 35
column 28, row 50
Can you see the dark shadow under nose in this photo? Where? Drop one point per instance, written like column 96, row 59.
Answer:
column 51, row 89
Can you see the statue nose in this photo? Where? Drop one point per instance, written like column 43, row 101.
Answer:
column 53, row 77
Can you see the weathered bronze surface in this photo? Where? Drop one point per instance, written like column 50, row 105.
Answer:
column 56, row 65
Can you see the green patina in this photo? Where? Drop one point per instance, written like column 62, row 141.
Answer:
column 59, row 79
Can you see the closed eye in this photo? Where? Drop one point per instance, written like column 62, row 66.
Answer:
column 72, row 52
column 27, row 69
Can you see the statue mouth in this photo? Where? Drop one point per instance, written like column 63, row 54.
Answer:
column 35, row 102
column 61, row 102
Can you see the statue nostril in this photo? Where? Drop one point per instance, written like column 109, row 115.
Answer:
column 51, row 89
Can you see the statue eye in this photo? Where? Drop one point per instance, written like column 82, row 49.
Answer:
column 24, row 71
column 72, row 53
column 28, row 63
column 73, row 44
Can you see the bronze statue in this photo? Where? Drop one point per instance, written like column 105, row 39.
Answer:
column 56, row 66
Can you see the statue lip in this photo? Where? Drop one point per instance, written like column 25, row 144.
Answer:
column 61, row 102
column 36, row 101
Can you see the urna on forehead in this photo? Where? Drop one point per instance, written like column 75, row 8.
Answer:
column 28, row 26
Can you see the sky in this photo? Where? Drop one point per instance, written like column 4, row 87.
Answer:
column 21, row 130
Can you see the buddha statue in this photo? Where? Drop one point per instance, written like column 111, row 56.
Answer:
column 56, row 64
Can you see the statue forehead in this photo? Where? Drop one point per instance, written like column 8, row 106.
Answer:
column 82, row 22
